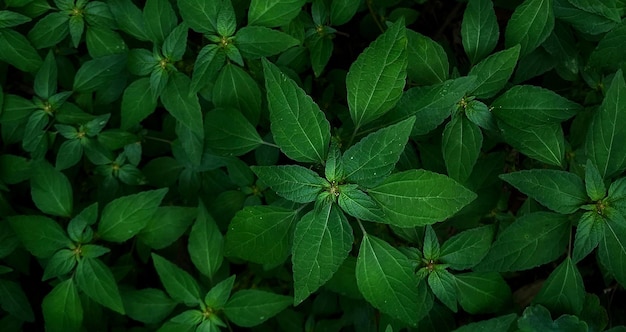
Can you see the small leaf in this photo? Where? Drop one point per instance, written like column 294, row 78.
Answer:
column 341, row 11
column 228, row 132
column 461, row 144
column 97, row 73
column 137, row 103
column 589, row 232
column 292, row 182
column 612, row 249
column 167, row 224
column 334, row 164
column 544, row 143
column 206, row 243
column 358, row 204
column 51, row 191
column 594, row 182
column 10, row 19
column 273, row 13
column 208, row 64
column 217, row 297
column 14, row 301
column 41, row 236
column 563, row 291
column 160, row 19
column 431, row 248
column 429, row 61
column 530, row 25
column 255, row 42
column 443, row 285
column 479, row 29
column 226, row 23
column 147, row 305
column 494, row 72
column 498, row 324
column 61, row 263
column 179, row 284
column 129, row 18
column 49, row 30
column 62, row 309
column 200, row 15
column 18, row 52
column 235, row 88
column 537, row 319
column 175, row 44
column 97, row 281
column 251, row 307
column 482, row 292
column 45, row 84
column 468, row 248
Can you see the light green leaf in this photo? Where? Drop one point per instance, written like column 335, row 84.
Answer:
column 45, row 84
column 235, row 88
column 333, row 169
column 589, row 232
column 147, row 305
column 431, row 248
column 18, row 52
column 62, row 310
column 498, row 324
column 376, row 79
column 482, row 292
column 251, row 307
column 322, row 241
column 160, row 19
column 261, row 234
column 443, row 285
column 97, row 281
column 532, row 240
column 387, row 280
column 420, row 197
column 429, row 61
column 563, row 291
column 200, row 15
column 255, row 42
column 14, row 301
column 179, row 284
column 137, row 103
column 227, row 132
column 206, row 243
column 530, row 25
column 560, row 191
column 273, row 13
column 544, row 143
column 605, row 133
column 217, row 297
column 461, row 144
column 468, row 248
column 594, row 182
column 166, row 225
column 126, row 216
column 292, row 182
column 61, row 263
column 51, row 190
column 494, row 72
column 358, row 204
column 299, row 127
column 41, row 236
column 612, row 249
column 374, row 157
column 175, row 44
column 479, row 29
column 97, row 73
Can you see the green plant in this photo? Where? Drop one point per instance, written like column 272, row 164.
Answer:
column 206, row 165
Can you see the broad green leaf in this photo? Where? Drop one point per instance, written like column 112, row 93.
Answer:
column 537, row 318
column 581, row 20
column 97, row 281
column 468, row 248
column 188, row 317
column 607, row 9
column 51, row 191
column 228, row 132
column 612, row 249
column 217, row 297
column 273, row 13
column 175, row 44
column 18, row 52
column 358, row 204
column 443, row 285
column 530, row 25
column 374, row 157
column 498, row 324
column 235, row 88
column 341, row 11
column 544, row 143
column 321, row 242
column 137, row 103
column 606, row 55
column 563, row 291
column 532, row 240
column 200, row 15
column 10, row 19
column 147, row 305
column 61, row 263
column 50, row 30
column 482, row 292
column 126, row 216
column 528, row 105
column 429, row 61
column 560, row 191
column 78, row 229
column 45, row 84
column 589, row 232
column 261, row 234
column 129, row 18
column 479, row 29
column 251, row 307
column 376, row 79
column 104, row 41
column 420, row 197
column 596, row 190
column 293, row 182
column 210, row 61
column 461, row 144
column 62, row 309
column 494, row 72
column 594, row 314
column 298, row 125
column 167, row 224
column 14, row 301
column 160, row 19
column 77, row 26
column 185, row 107
column 206, row 243
column 97, row 73
column 255, row 42
column 226, row 23
column 605, row 133
column 386, row 278
column 431, row 248
column 321, row 49
column 178, row 283
column 333, row 170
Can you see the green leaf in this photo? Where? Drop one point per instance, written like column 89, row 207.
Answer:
column 129, row 18
column 51, row 190
column 341, row 11
column 468, row 248
column 62, row 309
column 530, row 25
column 97, row 73
column 147, row 305
column 563, row 291
column 104, row 41
column 226, row 23
column 175, row 44
column 376, row 79
column 479, row 29
column 322, row 240
column 461, row 144
column 605, row 133
column 374, row 157
column 431, row 244
column 251, row 307
column 217, row 297
column 206, row 243
column 167, row 224
column 93, row 251
column 179, row 284
column 429, row 61
column 333, row 169
column 14, row 301
column 18, row 51
column 229, row 133
column 358, row 204
column 292, row 182
column 235, row 88
column 126, row 216
column 188, row 317
column 137, row 103
column 612, row 249
column 45, row 84
column 298, row 125
column 498, row 324
column 532, row 240
column 494, row 72
column 608, row 10
column 260, row 234
column 255, row 42
column 77, row 26
column 50, row 30
column 10, row 19
column 594, row 182
column 97, row 281
column 321, row 49
column 589, row 232
column 537, row 319
column 185, row 107
column 544, row 143
column 61, row 263
column 210, row 61
column 560, row 191
column 273, row 13
column 386, row 279
column 482, row 292
column 200, row 15
column 41, row 236
column 160, row 19
column 420, row 197
column 606, row 55
column 443, row 285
